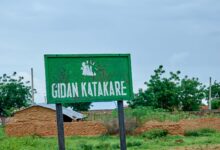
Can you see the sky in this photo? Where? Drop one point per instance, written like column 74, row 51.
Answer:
column 179, row 34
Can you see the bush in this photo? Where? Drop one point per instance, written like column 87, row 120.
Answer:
column 155, row 133
column 134, row 143
column 191, row 133
column 85, row 146
column 143, row 114
column 2, row 133
column 200, row 132
column 103, row 146
column 206, row 131
column 115, row 146
column 113, row 128
column 215, row 103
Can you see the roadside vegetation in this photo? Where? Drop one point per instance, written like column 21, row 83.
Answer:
column 166, row 97
column 143, row 114
column 15, row 93
column 152, row 140
column 136, row 117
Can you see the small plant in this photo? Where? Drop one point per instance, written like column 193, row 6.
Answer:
column 191, row 133
column 115, row 146
column 200, row 132
column 102, row 146
column 215, row 103
column 85, row 146
column 113, row 128
column 155, row 133
column 134, row 143
column 2, row 133
column 207, row 130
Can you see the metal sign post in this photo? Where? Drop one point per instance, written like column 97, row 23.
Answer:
column 60, row 128
column 121, row 125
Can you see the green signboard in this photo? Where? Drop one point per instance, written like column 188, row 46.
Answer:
column 88, row 78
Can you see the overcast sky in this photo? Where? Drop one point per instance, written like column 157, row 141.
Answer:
column 179, row 34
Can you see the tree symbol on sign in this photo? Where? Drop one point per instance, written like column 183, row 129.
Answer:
column 88, row 68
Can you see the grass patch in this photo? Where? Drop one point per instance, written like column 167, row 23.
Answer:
column 158, row 142
column 85, row 146
column 200, row 132
column 135, row 143
column 155, row 133
column 143, row 114
column 2, row 134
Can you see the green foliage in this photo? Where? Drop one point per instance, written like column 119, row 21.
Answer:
column 103, row 146
column 85, row 146
column 215, row 103
column 215, row 90
column 143, row 114
column 79, row 106
column 200, row 132
column 109, row 142
column 138, row 116
column 14, row 94
column 155, row 133
column 2, row 134
column 191, row 133
column 191, row 94
column 207, row 130
column 171, row 93
column 160, row 93
column 134, row 143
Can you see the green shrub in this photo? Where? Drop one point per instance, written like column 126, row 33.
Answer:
column 207, row 131
column 191, row 133
column 2, row 134
column 134, row 143
column 115, row 146
column 200, row 132
column 102, row 146
column 155, row 133
column 215, row 103
column 85, row 146
column 113, row 128
column 143, row 114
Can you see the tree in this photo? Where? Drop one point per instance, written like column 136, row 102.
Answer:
column 191, row 94
column 161, row 92
column 215, row 90
column 14, row 94
column 172, row 92
column 79, row 106
column 215, row 94
column 139, row 100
